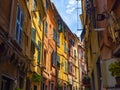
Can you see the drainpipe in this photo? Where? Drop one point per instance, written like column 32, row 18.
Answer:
column 11, row 17
column 42, row 56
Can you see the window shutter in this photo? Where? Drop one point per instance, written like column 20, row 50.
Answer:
column 58, row 61
column 38, row 56
column 33, row 35
column 64, row 46
column 60, row 26
column 39, row 50
column 46, row 28
column 54, row 35
column 74, row 53
column 58, row 40
column 53, row 57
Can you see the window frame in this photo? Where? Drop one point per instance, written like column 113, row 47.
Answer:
column 19, row 25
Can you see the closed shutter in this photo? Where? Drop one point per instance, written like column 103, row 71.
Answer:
column 33, row 31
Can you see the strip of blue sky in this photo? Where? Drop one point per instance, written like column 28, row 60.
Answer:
column 68, row 11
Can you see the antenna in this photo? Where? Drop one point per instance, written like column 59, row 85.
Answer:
column 78, row 16
column 78, row 23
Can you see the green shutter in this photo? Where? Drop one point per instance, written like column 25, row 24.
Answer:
column 38, row 56
column 33, row 31
column 39, row 50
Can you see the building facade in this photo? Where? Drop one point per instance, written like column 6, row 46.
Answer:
column 38, row 51
column 14, row 44
column 101, row 25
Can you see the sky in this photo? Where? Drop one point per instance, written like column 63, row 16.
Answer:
column 68, row 11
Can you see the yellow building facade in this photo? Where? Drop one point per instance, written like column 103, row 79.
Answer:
column 38, row 16
column 62, row 56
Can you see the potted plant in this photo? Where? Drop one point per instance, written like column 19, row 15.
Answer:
column 114, row 68
column 36, row 77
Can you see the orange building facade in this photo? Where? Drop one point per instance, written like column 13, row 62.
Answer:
column 49, row 49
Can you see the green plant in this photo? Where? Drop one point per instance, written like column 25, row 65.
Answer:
column 36, row 77
column 114, row 68
column 86, row 79
column 18, row 89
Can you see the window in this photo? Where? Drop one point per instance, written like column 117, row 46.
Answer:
column 65, row 34
column 65, row 87
column 60, row 26
column 19, row 25
column 53, row 58
column 58, row 61
column 58, row 39
column 51, row 86
column 70, row 67
column 43, row 86
column 35, row 87
column 46, row 87
column 46, row 28
column 28, row 84
column 39, row 50
column 21, row 82
column 65, row 49
column 83, row 70
column 75, row 54
column 6, row 83
column 46, row 4
column 45, row 57
column 34, row 5
column 54, row 35
column 69, row 50
column 32, row 49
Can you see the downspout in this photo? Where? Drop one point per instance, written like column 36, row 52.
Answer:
column 11, row 17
